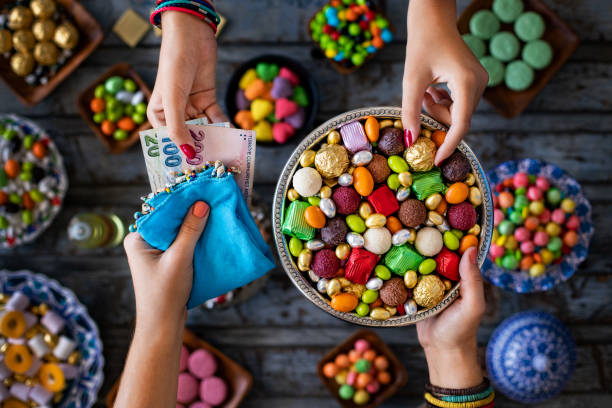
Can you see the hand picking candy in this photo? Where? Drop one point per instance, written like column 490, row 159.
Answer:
column 198, row 386
column 378, row 228
column 272, row 101
column 535, row 224
column 119, row 107
column 39, row 358
column 350, row 31
column 360, row 374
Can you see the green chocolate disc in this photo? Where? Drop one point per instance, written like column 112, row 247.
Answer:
column 529, row 26
column 519, row 76
column 494, row 68
column 507, row 10
column 477, row 46
column 537, row 54
column 504, row 46
column 484, row 24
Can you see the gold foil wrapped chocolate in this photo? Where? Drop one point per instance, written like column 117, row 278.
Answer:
column 331, row 161
column 22, row 64
column 20, row 17
column 43, row 30
column 46, row 53
column 42, row 8
column 66, row 36
column 429, row 291
column 420, row 156
column 23, row 40
column 6, row 41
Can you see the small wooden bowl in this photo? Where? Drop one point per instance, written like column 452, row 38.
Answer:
column 239, row 380
column 396, row 368
column 558, row 34
column 90, row 36
column 123, row 70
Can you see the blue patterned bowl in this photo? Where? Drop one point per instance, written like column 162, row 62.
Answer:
column 81, row 392
column 531, row 357
column 520, row 281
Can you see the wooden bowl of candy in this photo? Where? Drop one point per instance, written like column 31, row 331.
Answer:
column 43, row 41
column 222, row 382
column 362, row 371
column 52, row 352
column 351, row 236
column 115, row 107
column 349, row 34
column 542, row 226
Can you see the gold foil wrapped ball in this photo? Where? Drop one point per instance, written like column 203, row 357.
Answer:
column 23, row 40
column 66, row 36
column 43, row 30
column 6, row 41
column 20, row 17
column 22, row 64
column 429, row 291
column 420, row 156
column 46, row 53
column 331, row 160
column 42, row 8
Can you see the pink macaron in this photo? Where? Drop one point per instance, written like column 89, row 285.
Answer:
column 183, row 359
column 213, row 390
column 202, row 364
column 187, row 388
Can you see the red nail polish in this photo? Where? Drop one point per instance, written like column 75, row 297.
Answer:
column 407, row 137
column 473, row 256
column 188, row 150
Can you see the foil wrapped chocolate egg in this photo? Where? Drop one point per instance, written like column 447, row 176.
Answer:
column 22, row 64
column 66, row 36
column 43, row 30
column 420, row 156
column 42, row 8
column 23, row 40
column 20, row 17
column 429, row 291
column 331, row 161
column 6, row 41
column 46, row 53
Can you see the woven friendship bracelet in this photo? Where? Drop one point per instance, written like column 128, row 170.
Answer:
column 468, row 397
column 444, row 404
column 429, row 405
column 197, row 8
column 453, row 391
column 156, row 16
column 201, row 5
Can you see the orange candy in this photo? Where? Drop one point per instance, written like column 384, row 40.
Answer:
column 537, row 258
column 381, row 363
column 39, row 149
column 342, row 361
column 363, row 181
column 531, row 223
column 441, row 208
column 570, row 238
column 372, row 129
column 466, row 242
column 384, row 377
column 126, row 123
column 18, row 358
column 3, row 197
column 315, row 217
column 457, row 193
column 526, row 262
column 354, row 356
column 438, row 137
column 344, row 302
column 375, row 29
column 363, row 379
column 378, row 42
column 97, row 105
column 330, row 370
column 266, row 95
column 393, row 224
column 340, row 272
column 378, row 302
column 13, row 324
column 506, row 199
column 369, row 355
column 108, row 127
column 14, row 403
column 11, row 168
column 255, row 89
column 27, row 202
column 51, row 377
column 244, row 119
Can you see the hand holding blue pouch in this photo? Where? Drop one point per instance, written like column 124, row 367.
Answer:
column 230, row 253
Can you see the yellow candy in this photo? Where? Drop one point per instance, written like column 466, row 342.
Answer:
column 329, row 53
column 536, row 270
column 247, row 78
column 260, row 108
column 568, row 205
column 501, row 241
column 547, row 256
column 553, row 229
column 263, row 131
column 511, row 243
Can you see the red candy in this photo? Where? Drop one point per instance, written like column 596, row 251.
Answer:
column 360, row 265
column 447, row 264
column 383, row 200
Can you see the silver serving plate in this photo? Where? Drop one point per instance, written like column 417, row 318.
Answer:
column 301, row 280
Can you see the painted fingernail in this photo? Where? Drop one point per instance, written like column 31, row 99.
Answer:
column 188, row 150
column 473, row 256
column 200, row 209
column 407, row 137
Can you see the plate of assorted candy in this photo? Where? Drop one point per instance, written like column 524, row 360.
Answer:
column 33, row 181
column 543, row 226
column 372, row 231
column 51, row 348
column 350, row 32
column 274, row 96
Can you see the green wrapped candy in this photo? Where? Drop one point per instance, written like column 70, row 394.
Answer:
column 427, row 183
column 295, row 223
column 403, row 258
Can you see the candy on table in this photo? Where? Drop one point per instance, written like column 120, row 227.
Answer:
column 131, row 27
column 271, row 101
column 370, row 211
column 37, row 364
column 349, row 31
column 535, row 225
column 198, row 386
column 119, row 107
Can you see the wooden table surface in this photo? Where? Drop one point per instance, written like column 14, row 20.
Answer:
column 278, row 335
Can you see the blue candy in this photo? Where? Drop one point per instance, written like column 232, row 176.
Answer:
column 386, row 35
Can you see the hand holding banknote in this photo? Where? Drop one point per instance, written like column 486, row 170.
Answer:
column 185, row 84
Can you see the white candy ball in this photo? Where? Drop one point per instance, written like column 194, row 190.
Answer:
column 307, row 181
column 377, row 240
column 428, row 241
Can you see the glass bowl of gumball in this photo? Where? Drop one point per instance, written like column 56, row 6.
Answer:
column 543, row 226
column 370, row 230
column 52, row 352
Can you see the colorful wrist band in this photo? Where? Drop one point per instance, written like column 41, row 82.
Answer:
column 468, row 397
column 453, row 391
column 474, row 404
column 200, row 5
column 155, row 18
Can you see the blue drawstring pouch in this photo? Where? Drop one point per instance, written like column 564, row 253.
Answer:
column 230, row 253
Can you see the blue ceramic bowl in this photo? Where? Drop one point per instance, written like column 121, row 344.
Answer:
column 81, row 392
column 520, row 281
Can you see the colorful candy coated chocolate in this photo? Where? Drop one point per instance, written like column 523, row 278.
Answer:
column 363, row 181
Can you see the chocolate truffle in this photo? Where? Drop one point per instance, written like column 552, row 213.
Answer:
column 394, row 292
column 379, row 169
column 334, row 233
column 456, row 167
column 461, row 216
column 325, row 263
column 391, row 141
column 412, row 213
column 346, row 199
